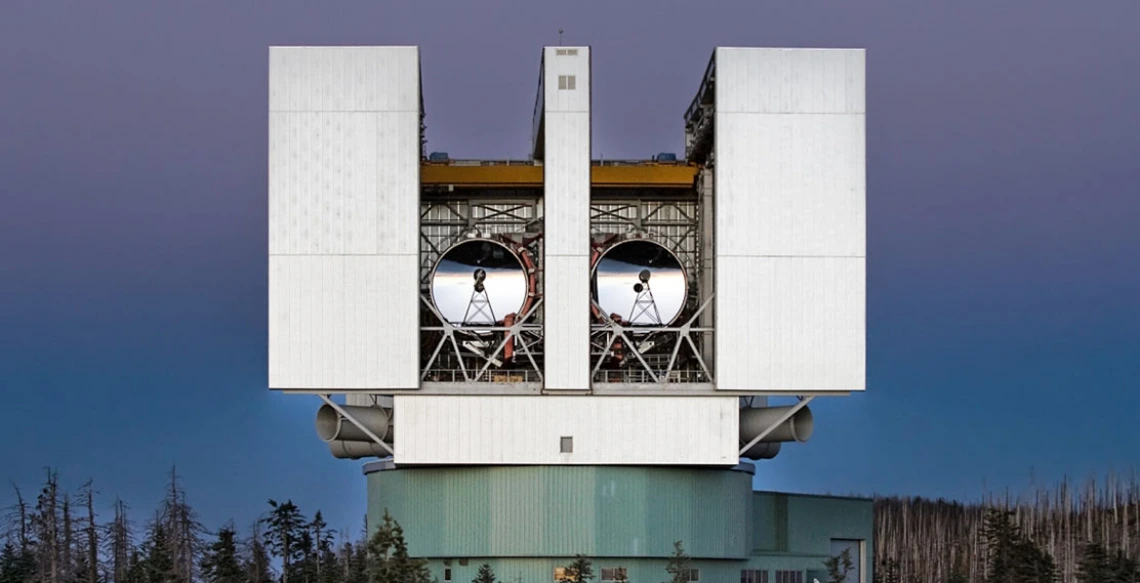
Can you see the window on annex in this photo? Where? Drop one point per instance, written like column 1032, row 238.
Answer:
column 753, row 576
column 854, row 548
column 789, row 577
column 614, row 574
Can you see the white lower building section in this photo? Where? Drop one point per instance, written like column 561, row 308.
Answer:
column 579, row 430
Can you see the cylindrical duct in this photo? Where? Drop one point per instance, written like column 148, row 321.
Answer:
column 754, row 421
column 762, row 451
column 355, row 450
column 332, row 427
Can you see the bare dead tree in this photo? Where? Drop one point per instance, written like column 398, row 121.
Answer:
column 930, row 539
column 119, row 543
column 90, row 534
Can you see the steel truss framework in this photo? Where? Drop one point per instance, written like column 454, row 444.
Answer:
column 511, row 350
column 664, row 354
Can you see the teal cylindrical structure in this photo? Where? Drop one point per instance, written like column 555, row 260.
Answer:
column 562, row 511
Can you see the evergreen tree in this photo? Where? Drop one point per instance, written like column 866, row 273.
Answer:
column 1013, row 558
column 838, row 567
column 485, row 575
column 388, row 559
column 678, row 565
column 579, row 570
column 16, row 565
column 220, row 561
column 136, row 570
column 887, row 571
column 159, row 564
column 285, row 527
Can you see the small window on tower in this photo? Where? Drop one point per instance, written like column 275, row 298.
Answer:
column 567, row 444
column 567, row 82
column 446, row 575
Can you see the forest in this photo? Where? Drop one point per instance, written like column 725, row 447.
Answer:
column 1060, row 534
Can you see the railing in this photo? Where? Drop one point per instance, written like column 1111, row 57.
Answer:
column 438, row 375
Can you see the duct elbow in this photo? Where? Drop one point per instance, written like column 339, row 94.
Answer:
column 332, row 426
column 754, row 422
column 355, row 450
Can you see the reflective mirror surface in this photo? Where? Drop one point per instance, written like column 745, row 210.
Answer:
column 641, row 281
column 478, row 282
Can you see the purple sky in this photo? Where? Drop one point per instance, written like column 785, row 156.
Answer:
column 1004, row 254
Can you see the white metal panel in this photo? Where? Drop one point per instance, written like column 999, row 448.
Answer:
column 790, row 185
column 566, row 177
column 322, row 183
column 566, row 62
column 381, row 78
column 344, row 151
column 790, row 200
column 324, row 314
column 528, row 430
column 566, row 212
column 783, row 80
column 795, row 323
column 567, row 331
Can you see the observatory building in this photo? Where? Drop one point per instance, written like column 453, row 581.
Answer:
column 557, row 355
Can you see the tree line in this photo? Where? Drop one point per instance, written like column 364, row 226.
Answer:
column 1086, row 534
column 56, row 537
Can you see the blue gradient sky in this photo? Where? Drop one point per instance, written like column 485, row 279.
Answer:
column 1004, row 200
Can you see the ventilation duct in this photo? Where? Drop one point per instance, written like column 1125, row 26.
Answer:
column 753, row 422
column 346, row 440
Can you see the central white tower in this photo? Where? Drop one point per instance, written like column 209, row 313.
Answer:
column 559, row 310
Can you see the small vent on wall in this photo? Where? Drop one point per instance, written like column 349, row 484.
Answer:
column 566, row 444
column 566, row 82
column 565, row 52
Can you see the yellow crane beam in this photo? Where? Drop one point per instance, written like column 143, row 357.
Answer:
column 530, row 176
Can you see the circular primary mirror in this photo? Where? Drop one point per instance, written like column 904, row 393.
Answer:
column 641, row 281
column 478, row 282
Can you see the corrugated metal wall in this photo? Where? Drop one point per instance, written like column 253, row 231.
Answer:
column 790, row 219
column 566, row 208
column 528, row 430
column 344, row 145
column 549, row 511
column 525, row 521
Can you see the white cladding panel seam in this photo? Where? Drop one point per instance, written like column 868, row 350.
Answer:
column 343, row 183
column 344, row 79
column 790, row 185
column 790, row 80
column 567, row 315
column 528, row 430
column 793, row 323
column 324, row 316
